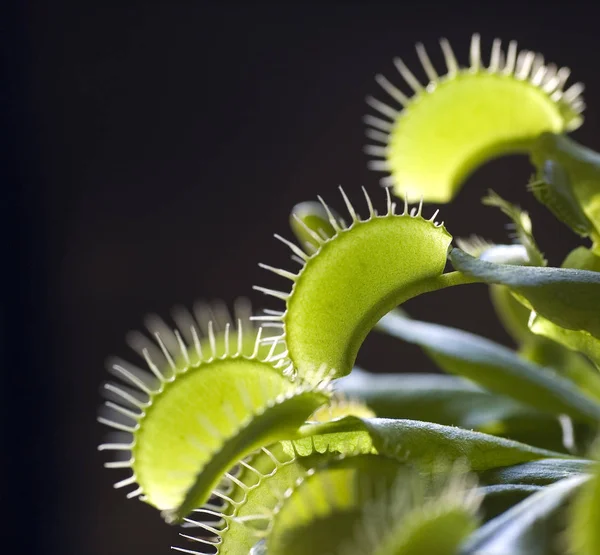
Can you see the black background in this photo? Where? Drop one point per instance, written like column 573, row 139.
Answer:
column 151, row 150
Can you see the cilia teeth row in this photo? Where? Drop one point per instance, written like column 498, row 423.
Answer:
column 174, row 352
column 275, row 318
column 180, row 343
column 211, row 541
column 525, row 66
column 126, row 417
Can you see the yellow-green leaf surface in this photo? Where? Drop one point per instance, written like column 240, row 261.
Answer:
column 417, row 516
column 466, row 117
column 582, row 258
column 567, row 297
column 579, row 341
column 495, row 367
column 318, row 513
column 353, row 279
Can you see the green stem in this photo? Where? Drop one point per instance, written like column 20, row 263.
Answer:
column 456, row 278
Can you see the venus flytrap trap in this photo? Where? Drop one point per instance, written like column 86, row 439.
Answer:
column 242, row 392
column 255, row 431
column 387, row 259
column 384, row 503
column 466, row 116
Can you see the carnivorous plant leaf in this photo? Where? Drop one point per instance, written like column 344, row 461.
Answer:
column 467, row 116
column 309, row 218
column 353, row 279
column 378, row 508
column 244, row 510
column 222, row 406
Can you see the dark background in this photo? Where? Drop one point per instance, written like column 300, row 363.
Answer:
column 150, row 153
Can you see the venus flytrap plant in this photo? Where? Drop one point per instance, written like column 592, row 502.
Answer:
column 257, row 432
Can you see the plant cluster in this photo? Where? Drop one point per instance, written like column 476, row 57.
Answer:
column 255, row 431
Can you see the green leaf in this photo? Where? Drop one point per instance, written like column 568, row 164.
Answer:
column 567, row 297
column 309, row 218
column 448, row 400
column 580, row 341
column 429, row 444
column 536, row 473
column 583, row 531
column 552, row 187
column 582, row 258
column 451, row 401
column 548, row 348
column 495, row 367
column 544, row 344
column 522, row 225
column 511, row 313
column 568, row 181
column 529, row 528
column 500, row 498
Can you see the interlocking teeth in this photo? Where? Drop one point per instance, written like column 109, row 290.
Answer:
column 226, row 514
